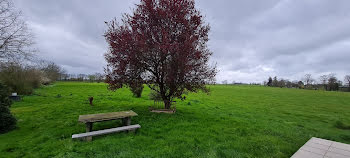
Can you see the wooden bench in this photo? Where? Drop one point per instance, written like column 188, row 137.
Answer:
column 92, row 118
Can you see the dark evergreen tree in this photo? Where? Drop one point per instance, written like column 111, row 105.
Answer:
column 301, row 84
column 269, row 82
column 7, row 121
column 333, row 84
column 275, row 82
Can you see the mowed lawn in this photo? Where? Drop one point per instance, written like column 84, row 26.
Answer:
column 233, row 121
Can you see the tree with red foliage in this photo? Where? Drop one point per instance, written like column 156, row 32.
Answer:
column 162, row 44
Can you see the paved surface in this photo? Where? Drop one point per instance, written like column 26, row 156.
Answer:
column 321, row 148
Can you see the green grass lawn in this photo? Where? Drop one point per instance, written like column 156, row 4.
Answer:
column 233, row 121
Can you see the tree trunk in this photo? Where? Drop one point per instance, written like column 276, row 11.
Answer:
column 167, row 104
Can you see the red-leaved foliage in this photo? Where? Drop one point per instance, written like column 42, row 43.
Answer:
column 162, row 44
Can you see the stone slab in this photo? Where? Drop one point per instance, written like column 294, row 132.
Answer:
column 322, row 148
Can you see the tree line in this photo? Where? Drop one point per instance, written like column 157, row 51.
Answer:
column 96, row 77
column 325, row 82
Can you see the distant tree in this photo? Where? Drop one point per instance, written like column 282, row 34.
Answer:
column 275, row 82
column 324, row 79
column 301, row 84
column 347, row 81
column 264, row 83
column 333, row 84
column 81, row 77
column 72, row 77
column 52, row 71
column 295, row 84
column 99, row 77
column 92, row 78
column 269, row 82
column 162, row 44
column 64, row 76
column 308, row 80
column 224, row 82
column 289, row 84
column 281, row 83
column 15, row 37
column 340, row 83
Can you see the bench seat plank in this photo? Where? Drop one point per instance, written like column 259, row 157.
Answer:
column 106, row 116
column 105, row 131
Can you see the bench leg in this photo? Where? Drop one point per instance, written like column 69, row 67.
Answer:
column 127, row 122
column 88, row 129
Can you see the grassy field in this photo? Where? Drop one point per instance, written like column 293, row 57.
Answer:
column 234, row 121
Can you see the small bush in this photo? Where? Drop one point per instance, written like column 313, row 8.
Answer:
column 20, row 79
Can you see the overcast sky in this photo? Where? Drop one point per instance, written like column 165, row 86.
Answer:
column 250, row 39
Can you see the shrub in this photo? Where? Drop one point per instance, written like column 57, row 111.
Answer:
column 33, row 77
column 7, row 121
column 20, row 79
